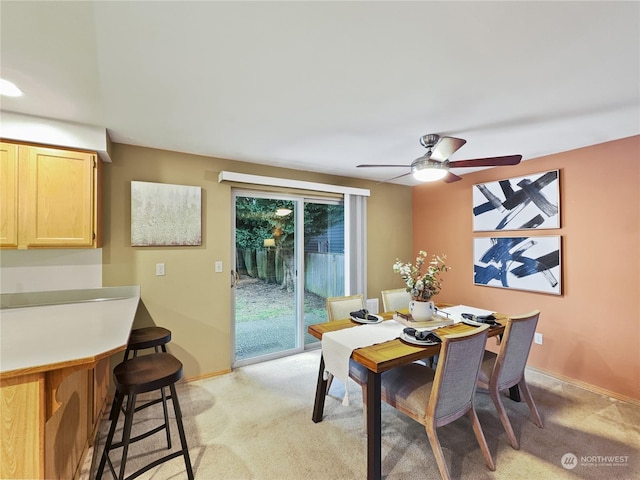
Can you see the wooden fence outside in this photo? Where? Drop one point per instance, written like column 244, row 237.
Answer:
column 324, row 272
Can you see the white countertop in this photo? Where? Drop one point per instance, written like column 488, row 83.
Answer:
column 96, row 322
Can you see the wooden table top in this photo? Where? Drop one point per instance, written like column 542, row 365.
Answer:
column 385, row 356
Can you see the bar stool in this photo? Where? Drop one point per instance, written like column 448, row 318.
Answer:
column 132, row 377
column 147, row 337
column 142, row 339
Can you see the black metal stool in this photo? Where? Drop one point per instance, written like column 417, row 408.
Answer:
column 145, row 338
column 132, row 377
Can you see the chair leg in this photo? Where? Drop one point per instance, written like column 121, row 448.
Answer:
column 166, row 417
column 524, row 389
column 183, row 437
column 126, row 432
column 482, row 441
column 116, row 406
column 329, row 381
column 502, row 413
column 437, row 451
column 364, row 405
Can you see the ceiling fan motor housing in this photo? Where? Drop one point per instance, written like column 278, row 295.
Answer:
column 429, row 140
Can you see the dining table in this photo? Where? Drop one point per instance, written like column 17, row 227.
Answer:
column 379, row 358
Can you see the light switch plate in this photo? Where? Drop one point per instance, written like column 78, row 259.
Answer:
column 537, row 338
column 218, row 266
column 159, row 269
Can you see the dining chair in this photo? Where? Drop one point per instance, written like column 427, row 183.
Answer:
column 396, row 299
column 505, row 369
column 438, row 397
column 338, row 308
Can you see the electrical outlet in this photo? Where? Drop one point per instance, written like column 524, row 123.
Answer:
column 159, row 269
column 218, row 266
column 538, row 338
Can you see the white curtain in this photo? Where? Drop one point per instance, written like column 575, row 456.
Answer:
column 355, row 220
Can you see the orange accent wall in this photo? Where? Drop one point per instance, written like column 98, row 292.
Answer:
column 591, row 333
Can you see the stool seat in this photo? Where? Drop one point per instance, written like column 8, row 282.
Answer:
column 148, row 337
column 147, row 373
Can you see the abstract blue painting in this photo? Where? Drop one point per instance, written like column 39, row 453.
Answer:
column 521, row 203
column 522, row 263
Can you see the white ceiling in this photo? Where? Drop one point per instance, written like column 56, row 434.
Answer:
column 324, row 86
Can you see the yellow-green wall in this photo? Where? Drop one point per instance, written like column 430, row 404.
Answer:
column 191, row 300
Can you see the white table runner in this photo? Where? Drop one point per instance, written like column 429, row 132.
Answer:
column 338, row 346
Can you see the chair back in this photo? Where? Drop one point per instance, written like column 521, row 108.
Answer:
column 454, row 384
column 340, row 307
column 396, row 299
column 516, row 344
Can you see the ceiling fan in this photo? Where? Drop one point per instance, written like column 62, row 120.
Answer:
column 434, row 165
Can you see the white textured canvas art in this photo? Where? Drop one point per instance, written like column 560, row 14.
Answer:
column 164, row 214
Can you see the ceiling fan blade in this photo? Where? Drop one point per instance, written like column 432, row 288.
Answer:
column 451, row 177
column 446, row 147
column 393, row 178
column 369, row 166
column 487, row 162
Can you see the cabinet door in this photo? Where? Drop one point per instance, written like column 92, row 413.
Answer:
column 57, row 205
column 8, row 195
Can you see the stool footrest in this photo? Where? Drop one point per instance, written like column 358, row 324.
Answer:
column 139, row 437
column 152, row 402
column 155, row 463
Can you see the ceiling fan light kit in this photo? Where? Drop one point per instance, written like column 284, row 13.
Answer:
column 426, row 170
column 433, row 166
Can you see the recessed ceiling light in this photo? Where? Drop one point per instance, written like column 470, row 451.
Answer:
column 9, row 89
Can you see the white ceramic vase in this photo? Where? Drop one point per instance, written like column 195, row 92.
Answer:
column 421, row 311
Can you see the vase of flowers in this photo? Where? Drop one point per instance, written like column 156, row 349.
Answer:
column 421, row 311
column 423, row 283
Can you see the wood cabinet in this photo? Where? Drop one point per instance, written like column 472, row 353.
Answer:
column 50, row 197
column 8, row 194
column 49, row 420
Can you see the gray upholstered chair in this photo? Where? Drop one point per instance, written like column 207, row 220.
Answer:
column 338, row 308
column 506, row 369
column 396, row 299
column 438, row 397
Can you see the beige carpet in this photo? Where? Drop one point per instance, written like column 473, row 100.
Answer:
column 255, row 423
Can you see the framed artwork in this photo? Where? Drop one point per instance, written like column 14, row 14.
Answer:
column 521, row 263
column 520, row 203
column 165, row 215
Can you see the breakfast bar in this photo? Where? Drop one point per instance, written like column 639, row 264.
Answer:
column 54, row 374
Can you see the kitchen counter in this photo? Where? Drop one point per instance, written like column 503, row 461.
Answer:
column 43, row 331
column 54, row 374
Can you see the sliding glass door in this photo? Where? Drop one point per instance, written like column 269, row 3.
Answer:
column 289, row 257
